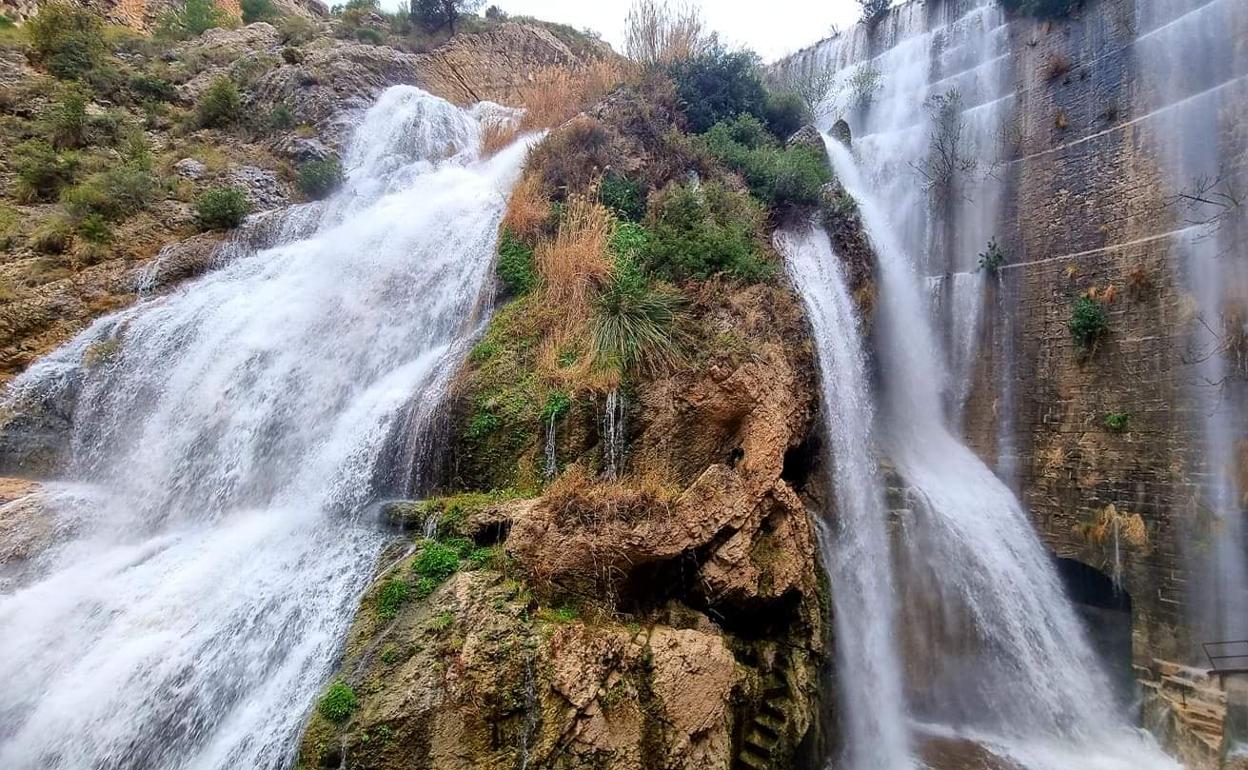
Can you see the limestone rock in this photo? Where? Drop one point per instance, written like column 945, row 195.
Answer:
column 189, row 168
column 178, row 261
column 263, row 189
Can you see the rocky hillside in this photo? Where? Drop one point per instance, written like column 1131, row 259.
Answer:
column 144, row 144
column 616, row 566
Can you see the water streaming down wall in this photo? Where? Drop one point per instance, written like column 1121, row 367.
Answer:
column 229, row 441
column 994, row 647
column 946, row 204
column 1193, row 85
column 855, row 542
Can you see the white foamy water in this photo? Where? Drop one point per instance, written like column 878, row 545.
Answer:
column 1192, row 105
column 230, row 444
column 854, row 541
column 993, row 648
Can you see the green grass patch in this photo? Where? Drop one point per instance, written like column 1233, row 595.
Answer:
column 778, row 176
column 390, row 598
column 515, row 266
column 338, row 703
column 703, row 230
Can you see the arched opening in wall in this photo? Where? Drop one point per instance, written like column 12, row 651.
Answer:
column 1106, row 613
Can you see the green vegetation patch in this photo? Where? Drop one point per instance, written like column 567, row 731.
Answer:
column 1117, row 421
column 222, row 208
column 394, row 592
column 318, row 179
column 338, row 703
column 67, row 39
column 1088, row 322
column 698, row 231
column 515, row 265
column 778, row 176
column 220, row 104
column 436, row 561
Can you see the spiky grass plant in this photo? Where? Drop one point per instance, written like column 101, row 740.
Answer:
column 635, row 323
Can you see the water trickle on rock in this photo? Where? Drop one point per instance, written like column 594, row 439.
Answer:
column 230, row 442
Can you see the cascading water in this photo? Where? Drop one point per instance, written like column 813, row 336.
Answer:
column 930, row 107
column 855, row 547
column 613, row 432
column 228, row 442
column 996, row 650
column 1187, row 102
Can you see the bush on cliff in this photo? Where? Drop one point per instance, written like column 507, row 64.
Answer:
column 67, row 39
column 220, row 104
column 779, row 176
column 193, row 19
column 635, row 323
column 222, row 208
column 515, row 265
column 319, row 178
column 42, row 172
column 258, row 10
column 719, row 85
column 701, row 230
column 1046, row 9
column 1088, row 321
column 338, row 703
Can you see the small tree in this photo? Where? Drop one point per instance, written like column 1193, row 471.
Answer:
column 193, row 19
column 433, row 15
column 873, row 10
column 258, row 10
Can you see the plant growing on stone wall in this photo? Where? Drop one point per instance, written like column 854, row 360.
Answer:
column 391, row 597
column 864, row 84
column 1117, row 421
column 950, row 153
column 1049, row 9
column 993, row 258
column 873, row 10
column 1088, row 322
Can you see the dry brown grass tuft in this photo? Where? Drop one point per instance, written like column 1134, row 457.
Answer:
column 658, row 34
column 496, row 135
column 575, row 264
column 554, row 94
column 577, row 498
column 1102, row 527
column 527, row 210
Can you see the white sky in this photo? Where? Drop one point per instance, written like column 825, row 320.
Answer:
column 772, row 28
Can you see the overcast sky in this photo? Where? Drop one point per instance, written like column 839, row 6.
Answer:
column 771, row 27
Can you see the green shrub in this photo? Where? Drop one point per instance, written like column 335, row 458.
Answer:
column 557, row 405
column 281, row 118
column 436, row 561
column 338, row 703
column 152, row 88
column 319, row 178
column 297, row 30
column 220, row 104
column 484, row 557
column 391, row 596
column 94, row 228
column 1117, row 421
column 42, row 172
column 718, row 85
column 698, row 231
column 65, row 122
column 193, row 19
column 67, row 39
column 258, row 10
column 113, row 194
column 993, row 258
column 623, row 196
column 53, row 235
column 222, row 208
column 1088, row 321
column 369, row 35
column 425, row 586
column 515, row 266
column 635, row 323
column 778, row 176
column 785, row 113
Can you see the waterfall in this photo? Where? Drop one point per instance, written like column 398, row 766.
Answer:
column 855, row 545
column 996, row 649
column 613, row 434
column 1192, row 106
column 231, row 441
